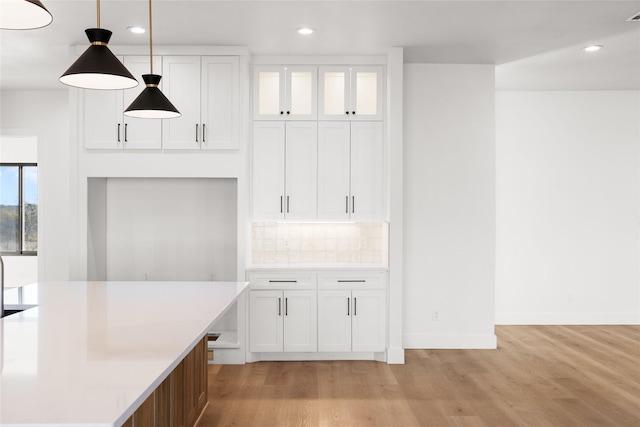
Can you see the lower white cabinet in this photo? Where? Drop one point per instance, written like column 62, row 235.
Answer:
column 351, row 320
column 283, row 320
column 339, row 311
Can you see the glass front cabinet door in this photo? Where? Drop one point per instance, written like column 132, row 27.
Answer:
column 350, row 93
column 285, row 92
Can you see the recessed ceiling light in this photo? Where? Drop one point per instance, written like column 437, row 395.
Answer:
column 305, row 31
column 137, row 30
column 592, row 48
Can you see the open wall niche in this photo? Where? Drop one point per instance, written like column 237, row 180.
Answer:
column 162, row 229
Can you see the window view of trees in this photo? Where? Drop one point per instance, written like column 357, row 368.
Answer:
column 18, row 209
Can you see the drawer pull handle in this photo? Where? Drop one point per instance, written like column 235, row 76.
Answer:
column 348, row 304
column 286, row 306
column 279, row 306
column 352, row 281
column 283, row 281
column 355, row 306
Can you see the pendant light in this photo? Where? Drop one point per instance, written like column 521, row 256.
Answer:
column 151, row 103
column 97, row 67
column 23, row 15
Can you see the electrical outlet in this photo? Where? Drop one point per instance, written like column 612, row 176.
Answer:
column 435, row 315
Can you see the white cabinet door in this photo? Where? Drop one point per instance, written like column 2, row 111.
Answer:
column 334, row 170
column 301, row 175
column 350, row 171
column 220, row 102
column 367, row 172
column 284, row 170
column 334, row 320
column 140, row 133
column 268, row 169
column 265, row 321
column 368, row 321
column 102, row 119
column 181, row 84
column 300, row 321
column 366, row 93
column 350, row 93
column 285, row 92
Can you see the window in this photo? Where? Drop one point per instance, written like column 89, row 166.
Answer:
column 18, row 209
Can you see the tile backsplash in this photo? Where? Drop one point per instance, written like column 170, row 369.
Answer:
column 275, row 243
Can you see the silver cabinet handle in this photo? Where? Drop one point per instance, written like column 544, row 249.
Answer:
column 125, row 132
column 287, row 204
column 204, row 130
column 352, row 281
column 196, row 132
column 346, row 204
column 118, row 132
column 281, row 210
column 348, row 304
column 279, row 306
column 286, row 306
column 355, row 306
column 283, row 281
column 353, row 204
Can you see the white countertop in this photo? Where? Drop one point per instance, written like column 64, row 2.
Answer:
column 92, row 352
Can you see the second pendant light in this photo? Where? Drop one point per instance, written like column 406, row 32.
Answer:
column 151, row 103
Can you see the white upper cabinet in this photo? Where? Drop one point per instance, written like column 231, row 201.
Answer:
column 104, row 125
column 350, row 93
column 206, row 91
column 284, row 170
column 285, row 92
column 350, row 171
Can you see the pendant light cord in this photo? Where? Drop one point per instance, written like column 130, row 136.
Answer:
column 150, row 40
column 98, row 11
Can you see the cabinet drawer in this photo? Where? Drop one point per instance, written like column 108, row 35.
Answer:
column 280, row 280
column 352, row 280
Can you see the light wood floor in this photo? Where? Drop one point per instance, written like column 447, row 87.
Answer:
column 539, row 376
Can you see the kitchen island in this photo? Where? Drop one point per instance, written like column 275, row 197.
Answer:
column 91, row 353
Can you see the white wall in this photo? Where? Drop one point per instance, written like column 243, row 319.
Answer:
column 45, row 114
column 449, row 206
column 568, row 198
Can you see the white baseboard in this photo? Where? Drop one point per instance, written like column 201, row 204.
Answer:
column 551, row 318
column 395, row 356
column 455, row 341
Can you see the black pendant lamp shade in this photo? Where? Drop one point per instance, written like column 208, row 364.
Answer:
column 151, row 103
column 97, row 67
column 23, row 15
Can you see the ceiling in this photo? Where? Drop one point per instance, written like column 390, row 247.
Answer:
column 536, row 44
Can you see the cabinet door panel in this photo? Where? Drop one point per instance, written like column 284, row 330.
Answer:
column 102, row 119
column 265, row 321
column 141, row 133
column 301, row 175
column 300, row 321
column 366, row 93
column 333, row 170
column 366, row 171
column 268, row 169
column 334, row 93
column 268, row 93
column 220, row 102
column 334, row 320
column 181, row 84
column 368, row 321
column 301, row 93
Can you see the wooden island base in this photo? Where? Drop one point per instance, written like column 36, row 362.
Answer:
column 181, row 398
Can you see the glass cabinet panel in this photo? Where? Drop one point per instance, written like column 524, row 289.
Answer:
column 269, row 92
column 334, row 93
column 366, row 93
column 301, row 92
